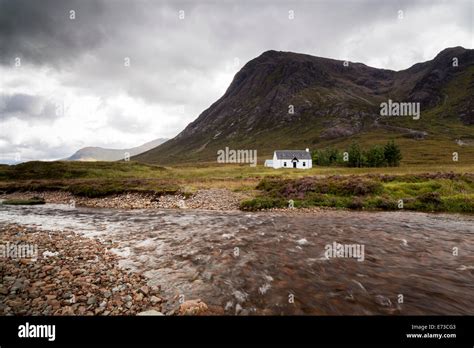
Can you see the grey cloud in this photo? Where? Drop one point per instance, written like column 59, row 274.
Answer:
column 161, row 46
column 175, row 62
column 33, row 150
column 41, row 32
column 27, row 107
column 118, row 120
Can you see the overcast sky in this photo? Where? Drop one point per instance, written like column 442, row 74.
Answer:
column 120, row 73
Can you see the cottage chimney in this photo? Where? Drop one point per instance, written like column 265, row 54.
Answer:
column 307, row 150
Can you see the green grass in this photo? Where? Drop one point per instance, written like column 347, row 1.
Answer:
column 31, row 201
column 428, row 192
column 78, row 170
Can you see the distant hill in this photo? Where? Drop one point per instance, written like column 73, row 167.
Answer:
column 103, row 154
column 334, row 103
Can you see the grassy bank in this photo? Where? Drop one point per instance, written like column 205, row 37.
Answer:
column 424, row 188
column 448, row 192
column 32, row 201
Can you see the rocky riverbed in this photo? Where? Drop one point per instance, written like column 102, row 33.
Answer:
column 208, row 199
column 66, row 274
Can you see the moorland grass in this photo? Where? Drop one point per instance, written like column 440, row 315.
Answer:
column 31, row 201
column 425, row 187
column 427, row 192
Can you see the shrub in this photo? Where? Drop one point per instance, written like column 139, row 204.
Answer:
column 306, row 188
column 262, row 203
column 269, row 184
column 356, row 158
column 430, row 198
column 357, row 203
column 375, row 156
column 392, row 154
column 459, row 203
column 327, row 157
column 386, row 204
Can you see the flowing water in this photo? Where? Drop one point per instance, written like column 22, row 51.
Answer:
column 274, row 263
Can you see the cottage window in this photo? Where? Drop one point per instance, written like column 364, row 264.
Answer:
column 304, row 164
column 284, row 164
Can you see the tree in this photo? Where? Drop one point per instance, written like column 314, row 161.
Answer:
column 333, row 155
column 314, row 157
column 327, row 157
column 356, row 158
column 392, row 154
column 376, row 156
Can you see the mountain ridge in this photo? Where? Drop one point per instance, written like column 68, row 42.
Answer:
column 332, row 103
column 96, row 153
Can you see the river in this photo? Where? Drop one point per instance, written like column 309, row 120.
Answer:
column 276, row 263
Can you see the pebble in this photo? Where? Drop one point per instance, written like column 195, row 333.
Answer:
column 155, row 299
column 48, row 287
column 145, row 290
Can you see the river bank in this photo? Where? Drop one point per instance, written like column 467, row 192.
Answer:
column 428, row 192
column 210, row 199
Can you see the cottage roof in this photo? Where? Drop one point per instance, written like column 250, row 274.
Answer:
column 290, row 154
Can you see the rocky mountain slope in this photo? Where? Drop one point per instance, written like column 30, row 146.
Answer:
column 289, row 100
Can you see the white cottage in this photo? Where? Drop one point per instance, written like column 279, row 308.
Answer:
column 290, row 159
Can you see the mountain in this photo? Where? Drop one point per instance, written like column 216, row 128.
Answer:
column 334, row 103
column 103, row 154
